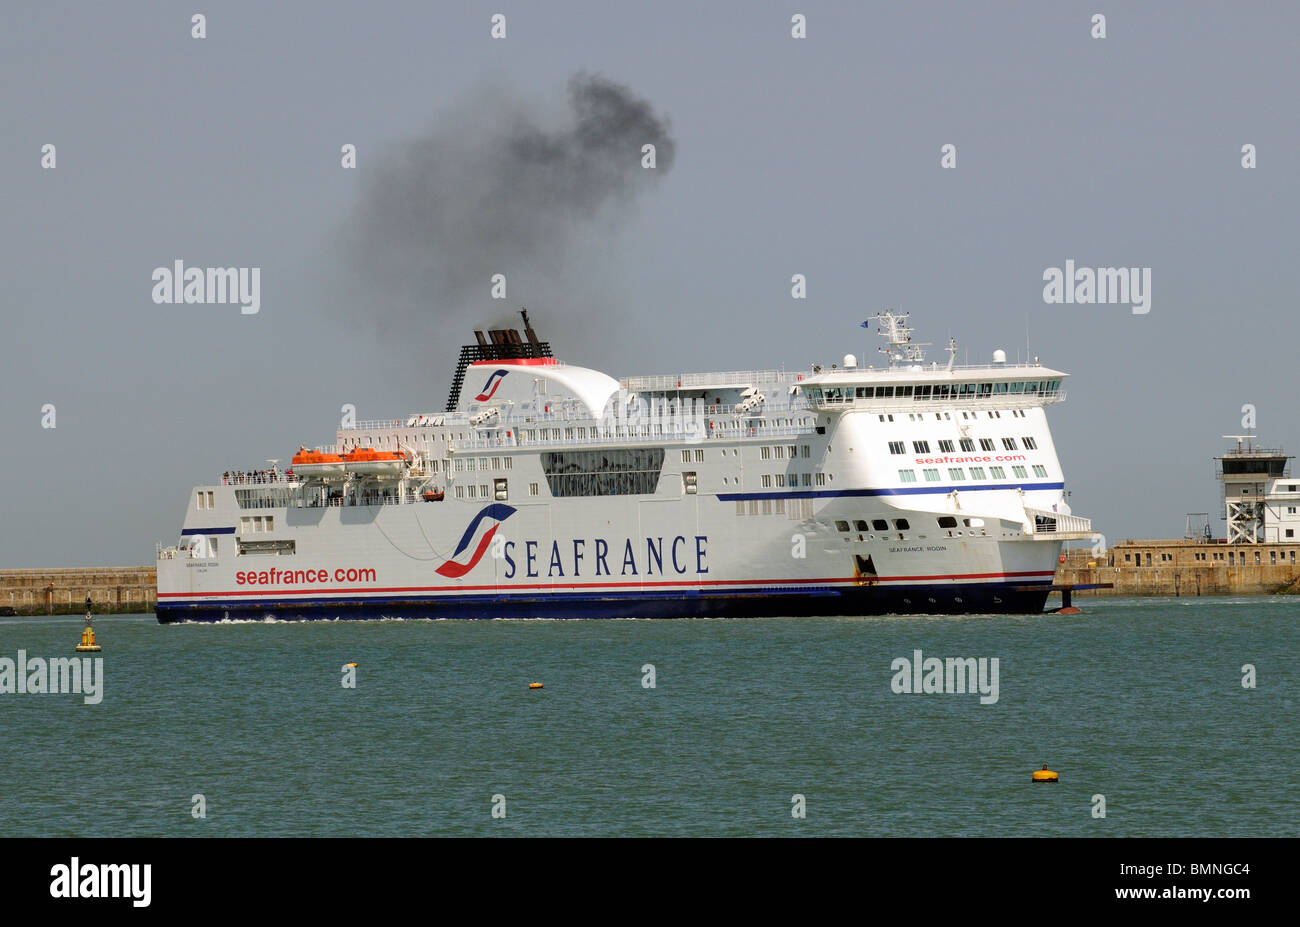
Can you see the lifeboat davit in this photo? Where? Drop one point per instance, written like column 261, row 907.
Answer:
column 313, row 465
column 366, row 461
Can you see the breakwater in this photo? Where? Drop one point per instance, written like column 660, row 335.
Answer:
column 1185, row 568
column 63, row 591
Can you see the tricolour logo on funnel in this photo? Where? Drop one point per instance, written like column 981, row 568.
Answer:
column 492, row 516
column 491, row 385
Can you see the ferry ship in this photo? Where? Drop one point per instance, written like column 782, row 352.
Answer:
column 547, row 490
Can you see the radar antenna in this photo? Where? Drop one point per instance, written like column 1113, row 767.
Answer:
column 898, row 336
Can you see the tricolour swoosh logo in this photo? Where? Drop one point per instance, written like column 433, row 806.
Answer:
column 491, row 385
column 496, row 512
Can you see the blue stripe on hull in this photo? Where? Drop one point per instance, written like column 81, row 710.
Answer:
column 954, row 599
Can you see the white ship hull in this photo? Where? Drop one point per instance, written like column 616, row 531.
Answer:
column 805, row 507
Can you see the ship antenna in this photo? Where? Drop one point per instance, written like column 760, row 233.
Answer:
column 952, row 351
column 898, row 336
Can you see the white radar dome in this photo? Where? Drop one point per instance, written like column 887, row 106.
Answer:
column 850, row 361
column 999, row 356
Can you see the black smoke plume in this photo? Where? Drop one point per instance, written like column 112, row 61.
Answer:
column 500, row 188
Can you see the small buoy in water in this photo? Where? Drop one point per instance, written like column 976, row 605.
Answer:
column 353, row 665
column 88, row 644
column 534, row 685
column 1045, row 775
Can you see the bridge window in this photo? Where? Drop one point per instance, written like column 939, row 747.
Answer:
column 900, row 524
column 947, row 521
column 879, row 524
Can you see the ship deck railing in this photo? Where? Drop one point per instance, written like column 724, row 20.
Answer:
column 722, row 430
column 693, row 381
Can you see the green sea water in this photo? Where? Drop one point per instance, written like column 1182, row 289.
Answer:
column 1139, row 701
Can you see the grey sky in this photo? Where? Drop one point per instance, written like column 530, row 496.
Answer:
column 817, row 156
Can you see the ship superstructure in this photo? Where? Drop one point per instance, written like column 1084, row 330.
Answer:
column 552, row 490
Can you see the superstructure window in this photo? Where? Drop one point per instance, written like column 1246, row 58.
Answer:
column 1030, row 444
column 603, row 473
column 907, row 476
column 842, row 526
column 947, row 521
column 1020, row 472
column 956, row 473
column 931, row 476
column 1040, row 470
column 977, row 473
column 765, row 453
column 998, row 473
column 986, row 444
column 901, row 524
column 921, row 447
column 946, row 446
column 967, row 444
column 879, row 524
column 897, row 447
column 1009, row 444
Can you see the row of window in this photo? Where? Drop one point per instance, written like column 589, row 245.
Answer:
column 958, row 474
column 1233, row 558
column 901, row 524
column 937, row 391
column 499, row 489
column 779, row 480
column 480, row 463
column 947, row 416
column 967, row 444
column 794, row 509
column 254, row 524
column 779, row 451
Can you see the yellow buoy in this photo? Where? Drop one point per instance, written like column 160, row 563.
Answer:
column 88, row 644
column 1045, row 775
column 534, row 685
column 353, row 665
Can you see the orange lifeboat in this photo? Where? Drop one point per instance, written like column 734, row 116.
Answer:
column 366, row 461
column 313, row 465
